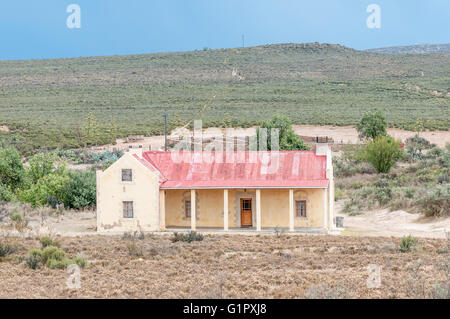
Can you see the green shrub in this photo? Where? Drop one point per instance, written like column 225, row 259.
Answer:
column 50, row 189
column 81, row 262
column 415, row 145
column 6, row 194
column 57, row 264
column 80, row 190
column 407, row 243
column 382, row 153
column 41, row 165
column 34, row 259
column 7, row 249
column 12, row 173
column 189, row 237
column 436, row 202
column 47, row 241
column 52, row 252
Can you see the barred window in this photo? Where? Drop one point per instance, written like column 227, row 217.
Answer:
column 300, row 208
column 128, row 210
column 187, row 208
column 127, row 175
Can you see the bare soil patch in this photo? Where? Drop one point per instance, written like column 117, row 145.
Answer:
column 4, row 128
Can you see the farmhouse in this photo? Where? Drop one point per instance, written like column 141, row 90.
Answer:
column 228, row 190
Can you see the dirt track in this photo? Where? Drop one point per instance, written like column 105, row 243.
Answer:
column 340, row 134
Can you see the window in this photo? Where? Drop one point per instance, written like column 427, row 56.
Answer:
column 128, row 210
column 246, row 204
column 127, row 175
column 300, row 208
column 187, row 208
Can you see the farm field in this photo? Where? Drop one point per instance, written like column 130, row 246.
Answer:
column 68, row 102
column 233, row 266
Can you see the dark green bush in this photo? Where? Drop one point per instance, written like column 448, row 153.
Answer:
column 80, row 190
column 12, row 173
column 407, row 243
column 189, row 237
column 34, row 259
column 47, row 241
column 7, row 249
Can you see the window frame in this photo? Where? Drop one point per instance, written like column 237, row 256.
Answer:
column 305, row 206
column 131, row 175
column 186, row 201
column 124, row 208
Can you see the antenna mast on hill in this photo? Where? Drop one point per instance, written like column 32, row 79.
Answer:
column 243, row 42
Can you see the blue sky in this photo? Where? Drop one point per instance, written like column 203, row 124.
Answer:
column 37, row 29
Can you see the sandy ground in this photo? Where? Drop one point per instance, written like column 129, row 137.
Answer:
column 266, row 266
column 380, row 222
column 399, row 223
column 340, row 134
column 349, row 135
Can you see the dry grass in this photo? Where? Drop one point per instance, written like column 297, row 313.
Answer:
column 232, row 267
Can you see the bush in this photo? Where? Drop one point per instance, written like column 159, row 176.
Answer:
column 52, row 252
column 407, row 243
column 41, row 165
column 48, row 190
column 80, row 191
column 12, row 172
column 7, row 249
column 372, row 125
column 190, row 237
column 81, row 262
column 436, row 202
column 415, row 145
column 6, row 194
column 34, row 259
column 382, row 153
column 47, row 241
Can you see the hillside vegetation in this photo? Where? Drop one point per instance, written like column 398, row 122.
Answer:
column 71, row 102
column 415, row 49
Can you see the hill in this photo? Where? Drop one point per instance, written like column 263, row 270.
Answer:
column 414, row 49
column 46, row 103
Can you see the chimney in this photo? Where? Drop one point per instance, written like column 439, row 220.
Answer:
column 136, row 150
column 323, row 149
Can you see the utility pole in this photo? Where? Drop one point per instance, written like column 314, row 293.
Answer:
column 165, row 131
column 243, row 42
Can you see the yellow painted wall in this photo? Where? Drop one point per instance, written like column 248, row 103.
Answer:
column 274, row 207
column 209, row 208
column 143, row 191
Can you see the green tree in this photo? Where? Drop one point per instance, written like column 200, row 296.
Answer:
column 41, row 165
column 372, row 125
column 288, row 140
column 12, row 172
column 382, row 153
column 48, row 188
column 80, row 191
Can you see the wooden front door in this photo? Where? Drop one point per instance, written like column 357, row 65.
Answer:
column 246, row 212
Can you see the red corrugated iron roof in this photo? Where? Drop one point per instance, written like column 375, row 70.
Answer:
column 250, row 169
